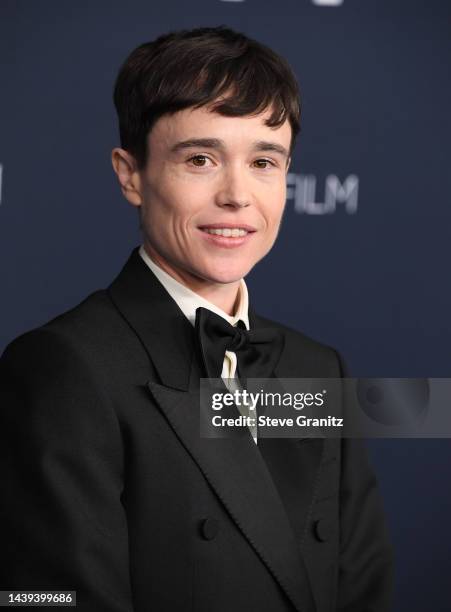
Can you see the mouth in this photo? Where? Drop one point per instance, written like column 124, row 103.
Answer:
column 227, row 230
column 227, row 235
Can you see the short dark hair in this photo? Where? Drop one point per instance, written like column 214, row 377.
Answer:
column 193, row 68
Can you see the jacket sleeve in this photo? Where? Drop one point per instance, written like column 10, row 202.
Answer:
column 62, row 523
column 365, row 576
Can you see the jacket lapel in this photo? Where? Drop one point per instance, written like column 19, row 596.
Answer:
column 234, row 467
column 166, row 334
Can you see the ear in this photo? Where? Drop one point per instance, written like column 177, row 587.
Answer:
column 125, row 167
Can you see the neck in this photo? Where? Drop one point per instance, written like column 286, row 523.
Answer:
column 222, row 295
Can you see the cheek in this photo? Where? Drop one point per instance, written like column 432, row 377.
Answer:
column 179, row 200
column 274, row 207
column 163, row 208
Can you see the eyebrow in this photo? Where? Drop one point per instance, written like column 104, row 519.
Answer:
column 216, row 143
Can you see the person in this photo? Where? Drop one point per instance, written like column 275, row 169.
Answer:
column 108, row 488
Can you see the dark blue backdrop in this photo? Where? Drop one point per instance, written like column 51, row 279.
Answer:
column 367, row 274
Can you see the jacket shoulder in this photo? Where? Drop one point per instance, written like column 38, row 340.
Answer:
column 56, row 338
column 90, row 331
column 90, row 318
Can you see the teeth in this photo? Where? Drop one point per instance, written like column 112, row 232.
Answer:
column 226, row 231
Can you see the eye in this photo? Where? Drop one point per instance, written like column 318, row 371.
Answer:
column 198, row 158
column 264, row 161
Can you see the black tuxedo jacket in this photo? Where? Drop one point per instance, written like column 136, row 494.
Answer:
column 108, row 488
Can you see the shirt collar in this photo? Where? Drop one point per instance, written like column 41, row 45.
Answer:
column 188, row 301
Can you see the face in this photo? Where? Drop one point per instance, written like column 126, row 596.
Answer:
column 212, row 193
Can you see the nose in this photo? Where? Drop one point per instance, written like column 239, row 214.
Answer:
column 234, row 189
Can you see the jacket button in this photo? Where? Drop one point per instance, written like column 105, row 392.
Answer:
column 323, row 529
column 209, row 528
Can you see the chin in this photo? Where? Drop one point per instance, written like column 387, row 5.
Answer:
column 227, row 273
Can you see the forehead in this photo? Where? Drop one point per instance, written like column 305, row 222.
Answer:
column 203, row 123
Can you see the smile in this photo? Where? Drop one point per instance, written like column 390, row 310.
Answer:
column 227, row 237
column 226, row 231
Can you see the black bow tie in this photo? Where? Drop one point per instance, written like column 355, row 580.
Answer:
column 257, row 350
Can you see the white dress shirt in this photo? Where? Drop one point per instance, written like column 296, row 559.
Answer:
column 188, row 301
